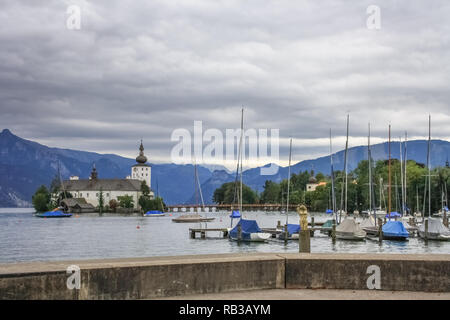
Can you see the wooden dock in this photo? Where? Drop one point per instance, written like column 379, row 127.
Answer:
column 273, row 231
column 193, row 232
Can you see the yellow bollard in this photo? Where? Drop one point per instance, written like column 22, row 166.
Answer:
column 304, row 239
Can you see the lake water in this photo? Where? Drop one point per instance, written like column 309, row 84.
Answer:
column 24, row 237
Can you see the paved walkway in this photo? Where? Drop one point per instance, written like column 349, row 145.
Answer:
column 318, row 294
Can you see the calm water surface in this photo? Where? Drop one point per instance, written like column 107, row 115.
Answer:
column 24, row 237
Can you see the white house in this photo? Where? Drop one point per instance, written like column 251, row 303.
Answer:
column 89, row 189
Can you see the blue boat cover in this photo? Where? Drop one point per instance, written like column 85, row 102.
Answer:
column 247, row 227
column 153, row 212
column 329, row 211
column 393, row 214
column 292, row 228
column 54, row 214
column 235, row 214
column 395, row 229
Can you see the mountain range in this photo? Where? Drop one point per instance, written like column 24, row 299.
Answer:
column 25, row 165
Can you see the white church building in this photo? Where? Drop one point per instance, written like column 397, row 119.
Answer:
column 89, row 189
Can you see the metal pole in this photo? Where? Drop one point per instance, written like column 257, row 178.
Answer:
column 289, row 181
column 389, row 169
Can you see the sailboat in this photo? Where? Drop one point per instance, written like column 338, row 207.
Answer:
column 348, row 229
column 369, row 225
column 57, row 212
column 436, row 229
column 193, row 218
column 289, row 231
column 156, row 213
column 393, row 230
column 327, row 226
column 246, row 230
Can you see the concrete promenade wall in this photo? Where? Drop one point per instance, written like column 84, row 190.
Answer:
column 143, row 278
column 399, row 272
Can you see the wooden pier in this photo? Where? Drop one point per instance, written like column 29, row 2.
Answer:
column 193, row 232
column 273, row 231
column 230, row 207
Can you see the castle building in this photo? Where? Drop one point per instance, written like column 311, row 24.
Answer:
column 89, row 189
column 141, row 170
column 313, row 184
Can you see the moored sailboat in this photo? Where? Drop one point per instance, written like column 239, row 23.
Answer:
column 245, row 230
column 349, row 229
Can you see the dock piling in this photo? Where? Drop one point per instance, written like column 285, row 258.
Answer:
column 380, row 230
column 333, row 232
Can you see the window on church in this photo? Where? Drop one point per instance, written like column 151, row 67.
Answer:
column 87, row 195
column 107, row 194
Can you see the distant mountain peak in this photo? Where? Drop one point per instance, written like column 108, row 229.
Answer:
column 6, row 132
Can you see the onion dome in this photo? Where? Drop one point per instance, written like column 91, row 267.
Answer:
column 94, row 173
column 312, row 179
column 141, row 158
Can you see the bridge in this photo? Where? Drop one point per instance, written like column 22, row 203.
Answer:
column 229, row 207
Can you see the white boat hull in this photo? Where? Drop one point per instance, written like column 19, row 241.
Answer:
column 256, row 237
column 433, row 236
column 346, row 236
column 154, row 215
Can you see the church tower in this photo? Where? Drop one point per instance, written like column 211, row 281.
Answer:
column 141, row 170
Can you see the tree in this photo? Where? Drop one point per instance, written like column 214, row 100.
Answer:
column 41, row 199
column 148, row 204
column 101, row 201
column 126, row 201
column 113, row 205
column 145, row 189
column 271, row 193
column 226, row 194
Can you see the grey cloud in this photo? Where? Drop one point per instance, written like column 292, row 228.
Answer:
column 142, row 69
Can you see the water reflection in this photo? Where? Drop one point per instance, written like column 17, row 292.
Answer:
column 24, row 237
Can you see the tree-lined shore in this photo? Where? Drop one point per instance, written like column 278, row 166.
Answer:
column 358, row 188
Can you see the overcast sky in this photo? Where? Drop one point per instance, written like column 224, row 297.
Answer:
column 140, row 69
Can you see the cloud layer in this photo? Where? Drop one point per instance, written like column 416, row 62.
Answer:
column 142, row 69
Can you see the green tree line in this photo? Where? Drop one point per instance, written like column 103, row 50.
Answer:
column 357, row 188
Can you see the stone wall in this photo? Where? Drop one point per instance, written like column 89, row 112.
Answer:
column 144, row 278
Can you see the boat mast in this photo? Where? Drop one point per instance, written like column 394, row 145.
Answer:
column 346, row 165
column 344, row 181
column 333, row 196
column 241, row 145
column 389, row 173
column 369, row 156
column 429, row 166
column 402, row 203
column 404, row 168
column 417, row 198
column 289, row 180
